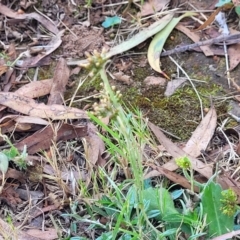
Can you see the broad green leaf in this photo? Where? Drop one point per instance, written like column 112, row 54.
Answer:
column 156, row 45
column 218, row 222
column 140, row 37
column 111, row 21
column 3, row 162
column 159, row 199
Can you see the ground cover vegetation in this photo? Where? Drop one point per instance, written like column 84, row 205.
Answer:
column 114, row 124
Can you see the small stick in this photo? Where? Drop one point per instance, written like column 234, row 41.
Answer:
column 229, row 39
column 227, row 65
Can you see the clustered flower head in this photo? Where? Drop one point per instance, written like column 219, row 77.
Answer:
column 105, row 107
column 183, row 162
column 95, row 61
column 229, row 202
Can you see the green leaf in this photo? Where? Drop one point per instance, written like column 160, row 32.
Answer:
column 111, row 21
column 237, row 10
column 11, row 153
column 218, row 222
column 222, row 3
column 156, row 45
column 159, row 199
column 140, row 37
column 3, row 162
column 178, row 218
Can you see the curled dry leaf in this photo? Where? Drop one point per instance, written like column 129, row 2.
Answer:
column 41, row 19
column 95, row 146
column 60, row 79
column 29, row 107
column 209, row 20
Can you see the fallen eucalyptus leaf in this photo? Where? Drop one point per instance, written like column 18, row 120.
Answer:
column 29, row 107
column 156, row 45
column 50, row 25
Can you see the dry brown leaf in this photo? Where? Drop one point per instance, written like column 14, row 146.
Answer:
column 151, row 80
column 95, row 146
column 10, row 76
column 173, row 85
column 41, row 19
column 29, row 107
column 60, row 80
column 16, row 123
column 120, row 76
column 3, row 69
column 196, row 38
column 234, row 53
column 202, row 134
column 15, row 174
column 8, row 232
column 49, row 234
column 234, row 56
column 44, row 138
column 176, row 152
column 33, row 61
column 200, row 138
column 36, row 89
column 174, row 177
column 27, row 119
column 209, row 20
column 153, row 6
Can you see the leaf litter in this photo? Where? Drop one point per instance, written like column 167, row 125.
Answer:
column 43, row 126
